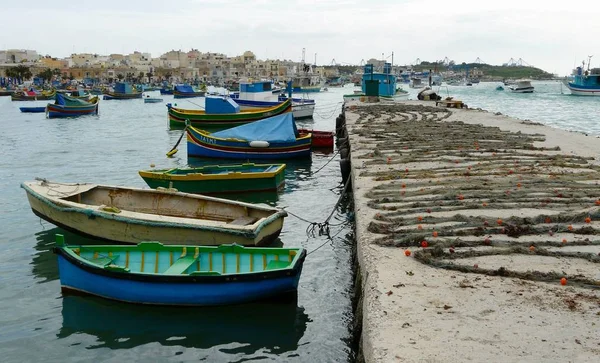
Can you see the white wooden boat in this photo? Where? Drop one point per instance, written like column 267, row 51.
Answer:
column 133, row 215
column 522, row 86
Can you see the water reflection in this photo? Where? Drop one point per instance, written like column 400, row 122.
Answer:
column 277, row 326
column 44, row 263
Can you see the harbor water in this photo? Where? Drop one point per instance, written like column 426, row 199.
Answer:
column 39, row 324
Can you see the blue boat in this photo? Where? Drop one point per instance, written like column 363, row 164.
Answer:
column 275, row 137
column 33, row 109
column 66, row 106
column 382, row 82
column 152, row 273
column 186, row 91
column 122, row 91
column 584, row 83
column 166, row 91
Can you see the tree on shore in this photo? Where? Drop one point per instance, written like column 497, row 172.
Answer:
column 19, row 71
column 46, row 75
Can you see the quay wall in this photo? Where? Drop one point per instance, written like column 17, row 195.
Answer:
column 494, row 211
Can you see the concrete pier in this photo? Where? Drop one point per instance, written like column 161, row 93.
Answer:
column 466, row 222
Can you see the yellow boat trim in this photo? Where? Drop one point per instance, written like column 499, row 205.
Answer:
column 253, row 111
column 196, row 252
column 276, row 257
column 183, row 252
column 163, row 175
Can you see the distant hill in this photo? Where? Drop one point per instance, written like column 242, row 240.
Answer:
column 491, row 71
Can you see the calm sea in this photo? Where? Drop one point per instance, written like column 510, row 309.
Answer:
column 38, row 324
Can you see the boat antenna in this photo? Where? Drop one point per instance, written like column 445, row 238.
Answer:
column 589, row 61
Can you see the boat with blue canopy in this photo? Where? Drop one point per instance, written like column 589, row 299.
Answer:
column 66, row 106
column 122, row 91
column 153, row 273
column 275, row 137
column 186, row 91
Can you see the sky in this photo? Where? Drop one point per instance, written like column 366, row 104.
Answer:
column 552, row 35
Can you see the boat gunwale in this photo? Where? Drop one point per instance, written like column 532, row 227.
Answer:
column 163, row 174
column 178, row 112
column 208, row 135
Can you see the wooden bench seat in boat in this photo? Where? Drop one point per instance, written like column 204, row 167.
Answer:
column 182, row 264
column 243, row 221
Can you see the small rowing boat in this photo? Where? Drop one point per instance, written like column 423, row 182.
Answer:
column 152, row 273
column 133, row 215
column 214, row 179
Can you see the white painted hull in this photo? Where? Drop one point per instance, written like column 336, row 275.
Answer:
column 522, row 90
column 58, row 204
column 303, row 110
column 583, row 92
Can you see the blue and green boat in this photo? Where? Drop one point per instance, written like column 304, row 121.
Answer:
column 153, row 273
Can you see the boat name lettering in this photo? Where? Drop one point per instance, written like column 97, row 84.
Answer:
column 206, row 140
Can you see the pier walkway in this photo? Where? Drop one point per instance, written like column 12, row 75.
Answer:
column 466, row 222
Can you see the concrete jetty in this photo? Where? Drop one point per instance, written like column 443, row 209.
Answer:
column 477, row 236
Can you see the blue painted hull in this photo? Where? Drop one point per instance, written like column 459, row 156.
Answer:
column 73, row 277
column 200, row 145
column 166, row 91
column 33, row 109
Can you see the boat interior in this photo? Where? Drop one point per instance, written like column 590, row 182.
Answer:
column 155, row 258
column 168, row 204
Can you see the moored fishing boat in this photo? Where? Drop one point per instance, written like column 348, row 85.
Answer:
column 152, row 100
column 33, row 109
column 222, row 113
column 66, row 106
column 122, row 91
column 522, row 86
column 152, row 273
column 320, row 139
column 186, row 91
column 33, row 95
column 584, row 83
column 132, row 215
column 214, row 179
column 6, row 92
column 254, row 95
column 275, row 137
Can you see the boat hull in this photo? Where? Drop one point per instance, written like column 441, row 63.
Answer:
column 41, row 97
column 300, row 110
column 153, row 100
column 306, row 89
column 522, row 90
column 33, row 109
column 583, row 91
column 189, row 290
column 59, row 111
column 177, row 94
column 123, row 227
column 121, row 96
column 202, row 144
column 210, row 180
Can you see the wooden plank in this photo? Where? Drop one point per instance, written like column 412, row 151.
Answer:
column 182, row 264
column 243, row 221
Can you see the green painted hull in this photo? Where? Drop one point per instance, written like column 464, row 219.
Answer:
column 178, row 116
column 219, row 179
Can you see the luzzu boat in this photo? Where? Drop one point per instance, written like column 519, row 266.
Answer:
column 133, row 215
column 272, row 138
column 33, row 95
column 584, row 83
column 66, row 106
column 152, row 273
column 186, row 91
column 122, row 91
column 213, row 179
column 222, row 113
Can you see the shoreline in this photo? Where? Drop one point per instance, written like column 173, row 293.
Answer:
column 502, row 204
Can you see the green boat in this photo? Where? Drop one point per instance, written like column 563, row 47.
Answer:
column 214, row 179
column 204, row 119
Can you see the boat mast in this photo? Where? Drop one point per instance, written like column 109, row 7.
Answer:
column 589, row 61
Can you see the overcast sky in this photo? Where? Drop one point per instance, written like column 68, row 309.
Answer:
column 552, row 35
